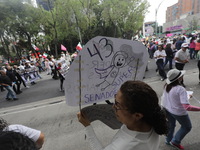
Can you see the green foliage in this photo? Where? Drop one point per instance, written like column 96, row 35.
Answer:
column 68, row 22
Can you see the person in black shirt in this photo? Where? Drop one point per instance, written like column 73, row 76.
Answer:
column 6, row 82
column 170, row 55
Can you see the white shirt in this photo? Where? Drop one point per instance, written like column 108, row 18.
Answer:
column 182, row 55
column 173, row 100
column 33, row 134
column 125, row 139
column 158, row 53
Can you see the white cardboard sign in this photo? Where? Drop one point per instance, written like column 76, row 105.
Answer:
column 102, row 66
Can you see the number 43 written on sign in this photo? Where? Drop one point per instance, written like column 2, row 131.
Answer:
column 102, row 45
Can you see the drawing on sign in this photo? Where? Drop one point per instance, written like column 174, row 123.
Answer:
column 105, row 64
column 119, row 60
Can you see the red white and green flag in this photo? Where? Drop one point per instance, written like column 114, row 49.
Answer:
column 35, row 47
column 79, row 47
column 44, row 55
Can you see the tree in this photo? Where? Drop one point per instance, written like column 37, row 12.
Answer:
column 68, row 22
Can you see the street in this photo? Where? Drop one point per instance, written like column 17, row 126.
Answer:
column 43, row 107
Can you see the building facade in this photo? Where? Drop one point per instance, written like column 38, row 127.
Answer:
column 182, row 17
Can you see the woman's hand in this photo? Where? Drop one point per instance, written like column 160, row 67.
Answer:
column 83, row 119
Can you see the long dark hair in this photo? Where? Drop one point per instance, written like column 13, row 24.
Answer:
column 171, row 85
column 140, row 97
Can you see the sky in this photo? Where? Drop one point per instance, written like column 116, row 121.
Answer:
column 150, row 16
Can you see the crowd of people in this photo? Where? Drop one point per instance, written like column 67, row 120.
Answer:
column 136, row 104
column 176, row 51
column 28, row 72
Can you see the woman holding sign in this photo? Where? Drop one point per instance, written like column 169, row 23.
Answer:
column 136, row 106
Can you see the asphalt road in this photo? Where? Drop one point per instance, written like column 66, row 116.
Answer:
column 43, row 107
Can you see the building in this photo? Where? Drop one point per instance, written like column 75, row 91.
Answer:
column 183, row 17
column 149, row 28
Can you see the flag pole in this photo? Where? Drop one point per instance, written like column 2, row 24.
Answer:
column 79, row 32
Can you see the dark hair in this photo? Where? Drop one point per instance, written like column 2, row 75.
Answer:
column 140, row 97
column 10, row 140
column 174, row 41
column 192, row 39
column 168, row 46
column 161, row 46
column 171, row 85
column 3, row 124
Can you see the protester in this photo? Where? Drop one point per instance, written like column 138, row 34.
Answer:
column 47, row 66
column 198, row 64
column 6, row 82
column 59, row 68
column 15, row 141
column 176, row 104
column 15, row 81
column 170, row 55
column 136, row 106
column 159, row 56
column 179, row 42
column 35, row 135
column 197, row 47
column 192, row 48
column 181, row 58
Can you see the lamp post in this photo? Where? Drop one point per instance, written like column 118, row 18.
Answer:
column 156, row 25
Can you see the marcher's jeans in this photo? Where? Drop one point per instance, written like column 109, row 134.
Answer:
column 168, row 59
column 185, row 123
column 192, row 53
column 10, row 92
column 161, row 70
column 180, row 66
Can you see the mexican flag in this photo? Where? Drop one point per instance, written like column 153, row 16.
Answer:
column 35, row 47
column 79, row 47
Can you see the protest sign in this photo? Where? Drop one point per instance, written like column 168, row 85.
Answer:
column 101, row 67
column 64, row 67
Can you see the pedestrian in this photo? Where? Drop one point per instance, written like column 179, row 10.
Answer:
column 198, row 57
column 6, row 82
column 159, row 56
column 176, row 104
column 181, row 58
column 152, row 49
column 136, row 106
column 192, row 48
column 197, row 47
column 169, row 55
column 179, row 42
column 59, row 68
column 15, row 81
column 47, row 66
column 35, row 135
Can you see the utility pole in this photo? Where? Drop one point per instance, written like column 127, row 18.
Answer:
column 156, row 12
